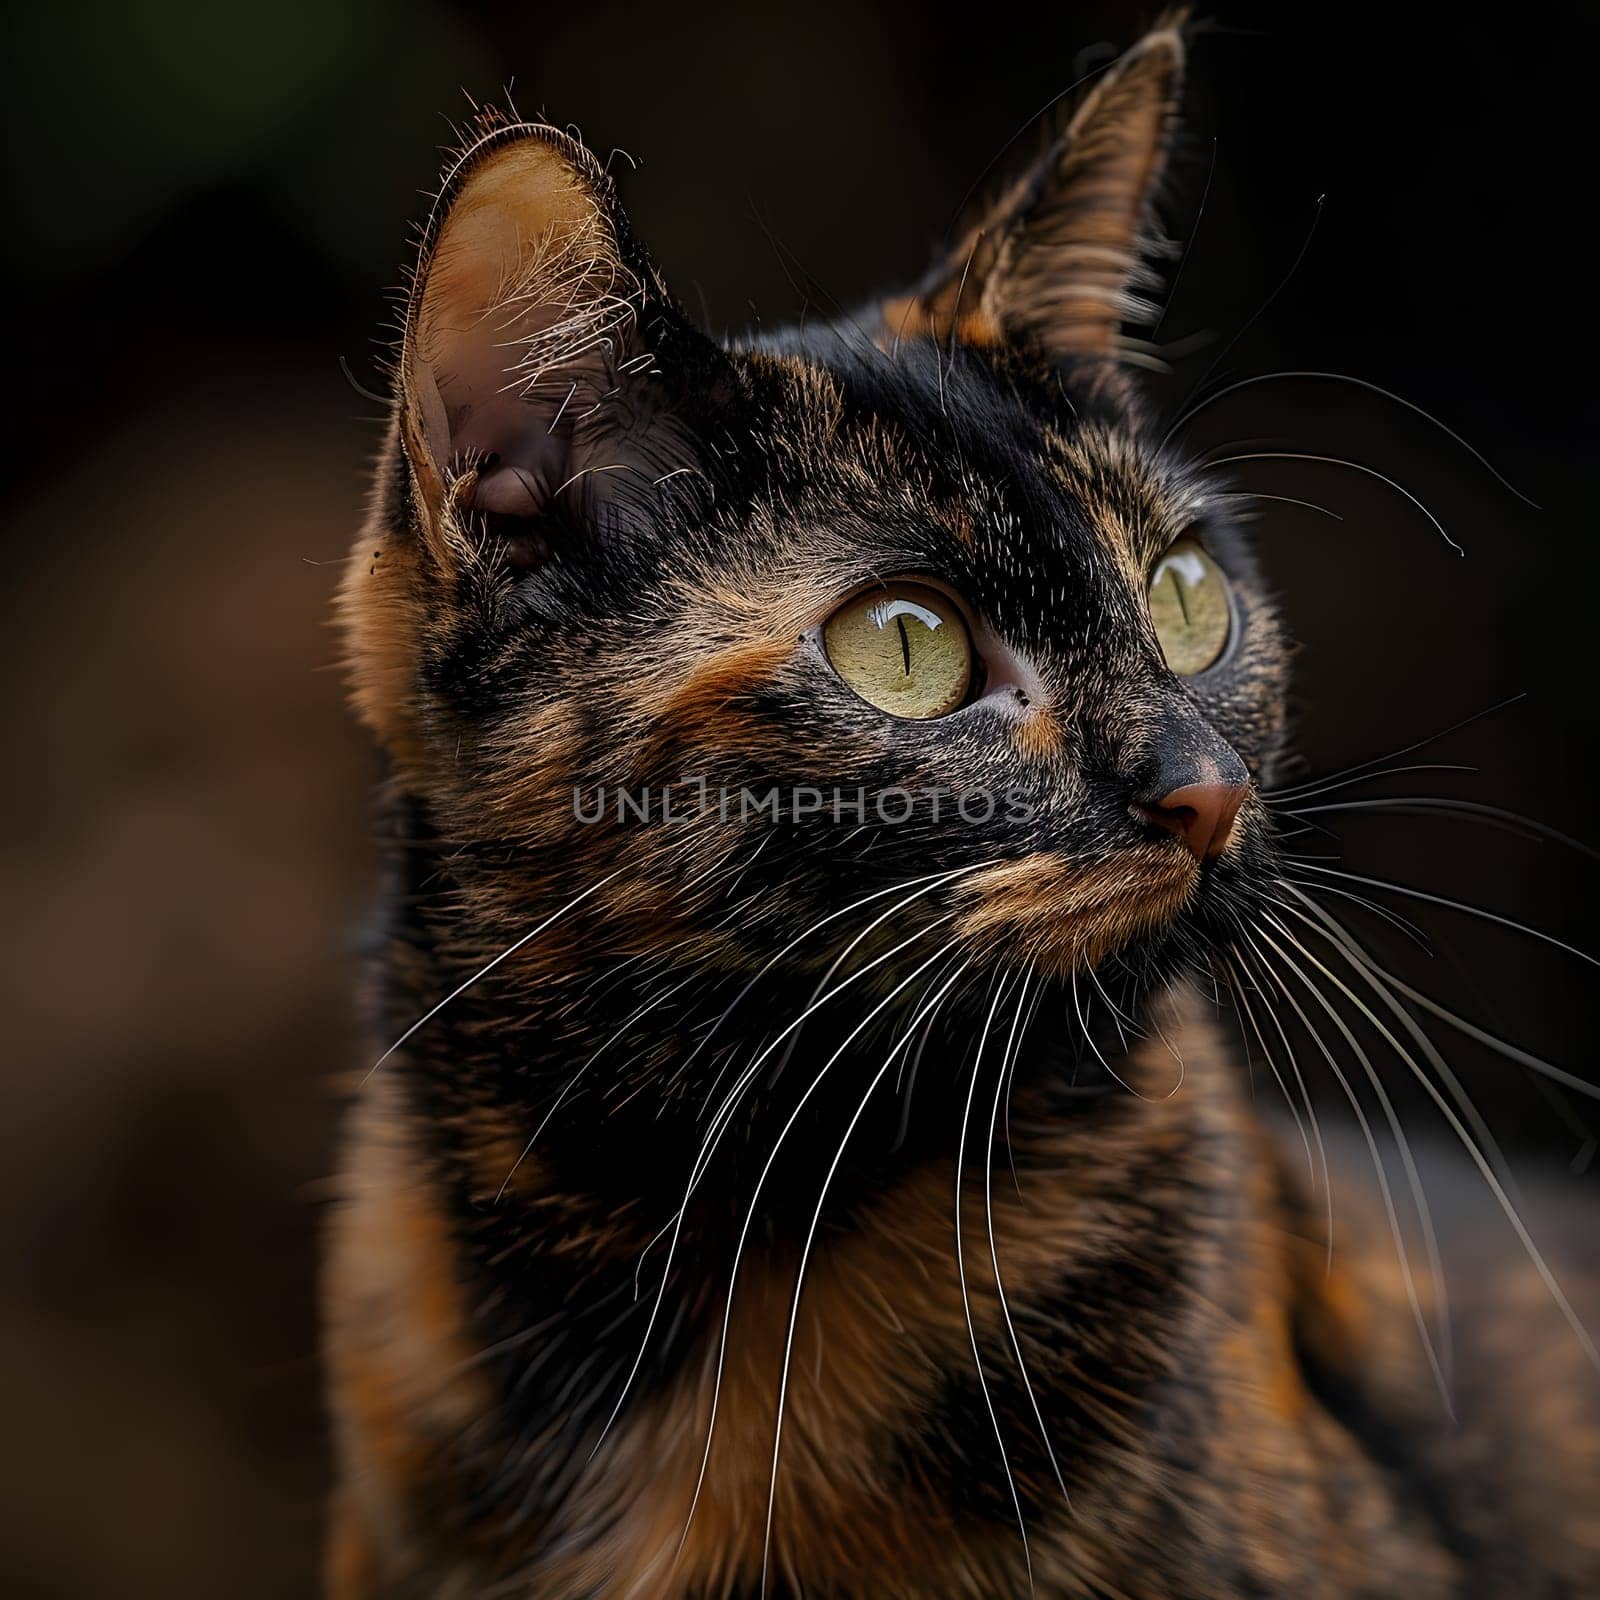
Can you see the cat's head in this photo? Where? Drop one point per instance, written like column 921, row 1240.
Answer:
column 924, row 580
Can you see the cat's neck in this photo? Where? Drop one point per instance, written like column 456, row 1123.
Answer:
column 631, row 1086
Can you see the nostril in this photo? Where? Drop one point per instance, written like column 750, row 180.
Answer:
column 1200, row 814
column 1174, row 819
column 1181, row 821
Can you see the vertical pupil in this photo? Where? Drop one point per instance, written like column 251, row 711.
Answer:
column 905, row 644
column 1183, row 598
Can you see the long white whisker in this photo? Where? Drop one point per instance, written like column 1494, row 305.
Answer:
column 1396, row 1129
column 1284, row 499
column 1488, row 466
column 1320, row 786
column 1393, row 918
column 1351, row 774
column 1354, row 466
column 930, row 880
column 573, row 1081
column 1489, row 1041
column 755, row 1198
column 724, row 1112
column 1421, row 804
column 1480, row 1161
column 1455, row 905
column 1118, row 1015
column 1011, row 1072
column 1305, row 1095
column 1362, row 1121
column 1330, row 928
column 1007, row 1061
column 826, row 979
column 916, row 1063
column 966, row 1300
column 489, row 966
column 1100, row 1055
column 709, row 1146
column 805, row 1257
column 1238, row 985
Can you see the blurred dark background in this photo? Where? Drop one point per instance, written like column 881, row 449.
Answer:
column 207, row 208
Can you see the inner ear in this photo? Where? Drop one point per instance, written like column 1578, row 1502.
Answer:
column 530, row 367
column 523, row 284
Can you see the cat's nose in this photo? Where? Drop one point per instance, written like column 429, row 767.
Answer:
column 1190, row 782
column 1201, row 814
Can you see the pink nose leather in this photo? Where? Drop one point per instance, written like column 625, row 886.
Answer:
column 1201, row 814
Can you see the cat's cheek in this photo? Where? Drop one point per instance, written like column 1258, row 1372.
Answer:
column 1021, row 805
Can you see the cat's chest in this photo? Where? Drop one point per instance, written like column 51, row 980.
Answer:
column 1135, row 1382
column 695, row 1487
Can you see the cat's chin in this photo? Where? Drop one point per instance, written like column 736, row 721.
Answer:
column 1065, row 916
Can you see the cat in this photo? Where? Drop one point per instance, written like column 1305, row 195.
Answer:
column 815, row 766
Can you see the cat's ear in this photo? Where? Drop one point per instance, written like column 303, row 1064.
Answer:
column 542, row 371
column 1056, row 265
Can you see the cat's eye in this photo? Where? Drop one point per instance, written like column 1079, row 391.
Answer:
column 1190, row 608
column 904, row 648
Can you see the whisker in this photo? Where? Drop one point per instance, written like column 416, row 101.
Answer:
column 1007, row 1062
column 1382, row 984
column 1194, row 233
column 1396, row 1129
column 1456, row 905
column 1404, row 750
column 930, row 879
column 1479, row 1160
column 910, row 1076
column 1472, row 1031
column 1331, row 929
column 1354, row 466
column 805, row 1252
column 1305, row 1094
column 1100, row 1056
column 724, row 1112
column 825, row 980
column 966, row 1299
column 1404, row 924
column 1260, row 311
column 738, row 1254
column 1365, row 1125
column 723, row 1121
column 1311, row 790
column 1011, row 1156
column 572, row 1082
column 1514, row 821
column 1118, row 1015
column 489, row 966
column 1282, row 499
column 1236, row 983
column 723, row 1118
column 1358, row 383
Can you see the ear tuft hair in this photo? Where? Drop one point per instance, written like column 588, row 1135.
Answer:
column 529, row 363
column 1057, row 265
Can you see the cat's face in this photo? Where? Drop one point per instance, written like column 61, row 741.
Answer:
column 910, row 611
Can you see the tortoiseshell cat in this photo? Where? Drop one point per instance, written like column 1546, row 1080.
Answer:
column 969, row 689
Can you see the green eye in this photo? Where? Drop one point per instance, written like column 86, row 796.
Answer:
column 1190, row 608
column 903, row 648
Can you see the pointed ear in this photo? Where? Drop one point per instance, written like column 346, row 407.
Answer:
column 1055, row 266
column 535, row 338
